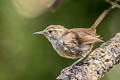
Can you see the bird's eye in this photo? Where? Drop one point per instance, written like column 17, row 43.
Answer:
column 50, row 31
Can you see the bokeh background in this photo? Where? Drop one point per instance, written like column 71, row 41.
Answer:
column 24, row 56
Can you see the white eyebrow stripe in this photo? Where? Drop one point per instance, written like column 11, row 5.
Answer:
column 57, row 29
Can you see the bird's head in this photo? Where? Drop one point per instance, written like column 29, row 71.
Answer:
column 53, row 31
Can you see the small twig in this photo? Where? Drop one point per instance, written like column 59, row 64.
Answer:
column 55, row 4
column 101, row 17
column 115, row 4
column 101, row 60
column 104, row 13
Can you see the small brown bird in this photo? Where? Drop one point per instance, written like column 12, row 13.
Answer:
column 70, row 43
column 73, row 43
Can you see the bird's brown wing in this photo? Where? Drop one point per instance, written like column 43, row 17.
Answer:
column 70, row 40
column 85, row 38
column 79, row 36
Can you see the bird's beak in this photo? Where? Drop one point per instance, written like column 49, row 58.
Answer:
column 41, row 32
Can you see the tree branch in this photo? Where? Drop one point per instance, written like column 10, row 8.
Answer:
column 101, row 60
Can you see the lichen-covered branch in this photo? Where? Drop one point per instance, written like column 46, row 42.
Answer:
column 101, row 60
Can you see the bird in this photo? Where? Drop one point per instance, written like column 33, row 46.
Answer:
column 70, row 43
column 74, row 43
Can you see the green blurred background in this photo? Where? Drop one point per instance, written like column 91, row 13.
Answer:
column 24, row 56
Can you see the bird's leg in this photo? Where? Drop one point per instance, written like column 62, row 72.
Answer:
column 78, row 62
column 75, row 64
